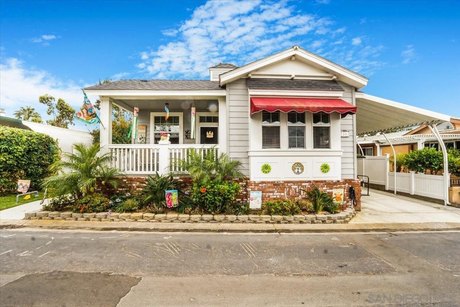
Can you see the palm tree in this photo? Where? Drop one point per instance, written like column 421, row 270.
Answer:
column 28, row 113
column 82, row 173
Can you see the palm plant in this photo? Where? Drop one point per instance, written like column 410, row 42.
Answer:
column 154, row 190
column 319, row 199
column 207, row 167
column 28, row 113
column 82, row 172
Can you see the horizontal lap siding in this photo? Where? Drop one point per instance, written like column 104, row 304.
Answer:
column 238, row 122
column 348, row 145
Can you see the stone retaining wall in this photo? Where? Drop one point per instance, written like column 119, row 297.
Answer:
column 339, row 218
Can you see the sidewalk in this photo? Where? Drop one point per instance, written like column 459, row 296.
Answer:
column 382, row 212
column 19, row 212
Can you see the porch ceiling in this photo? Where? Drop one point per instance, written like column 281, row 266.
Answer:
column 377, row 114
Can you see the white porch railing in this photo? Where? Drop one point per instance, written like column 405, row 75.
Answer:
column 145, row 159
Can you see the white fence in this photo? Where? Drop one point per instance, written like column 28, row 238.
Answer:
column 144, row 159
column 377, row 168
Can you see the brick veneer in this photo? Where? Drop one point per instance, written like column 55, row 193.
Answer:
column 271, row 190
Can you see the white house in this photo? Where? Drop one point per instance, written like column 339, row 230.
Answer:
column 287, row 117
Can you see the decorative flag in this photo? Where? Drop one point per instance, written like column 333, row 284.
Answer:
column 193, row 120
column 87, row 112
column 133, row 130
column 167, row 111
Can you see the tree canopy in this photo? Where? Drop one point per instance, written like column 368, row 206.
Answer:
column 28, row 113
column 62, row 112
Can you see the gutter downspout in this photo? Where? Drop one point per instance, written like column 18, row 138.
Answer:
column 362, row 153
column 394, row 161
column 446, row 175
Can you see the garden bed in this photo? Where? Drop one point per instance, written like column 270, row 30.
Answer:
column 338, row 218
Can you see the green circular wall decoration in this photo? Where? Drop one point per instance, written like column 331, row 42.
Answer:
column 325, row 168
column 266, row 168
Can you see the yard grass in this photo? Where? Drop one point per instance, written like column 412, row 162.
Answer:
column 9, row 201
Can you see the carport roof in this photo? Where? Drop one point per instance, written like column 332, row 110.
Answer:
column 378, row 114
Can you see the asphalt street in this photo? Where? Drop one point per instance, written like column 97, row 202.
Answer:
column 84, row 268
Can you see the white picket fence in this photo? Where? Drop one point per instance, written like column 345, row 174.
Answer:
column 377, row 168
column 144, row 159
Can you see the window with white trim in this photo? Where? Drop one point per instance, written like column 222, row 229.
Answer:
column 270, row 130
column 321, row 130
column 296, row 129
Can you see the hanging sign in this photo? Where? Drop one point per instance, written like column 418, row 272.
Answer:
column 172, row 198
column 255, row 200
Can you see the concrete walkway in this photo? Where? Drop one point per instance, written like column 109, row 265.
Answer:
column 18, row 212
column 383, row 207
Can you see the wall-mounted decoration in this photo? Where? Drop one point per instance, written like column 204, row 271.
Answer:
column 298, row 168
column 325, row 168
column 345, row 133
column 337, row 196
column 255, row 200
column 142, row 134
column 266, row 168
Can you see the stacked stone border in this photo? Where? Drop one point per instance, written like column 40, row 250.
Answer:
column 339, row 218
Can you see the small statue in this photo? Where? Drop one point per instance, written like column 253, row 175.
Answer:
column 164, row 138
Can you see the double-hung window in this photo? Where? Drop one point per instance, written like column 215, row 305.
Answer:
column 270, row 130
column 296, row 129
column 321, row 130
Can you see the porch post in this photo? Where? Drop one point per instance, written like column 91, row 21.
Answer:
column 106, row 124
column 222, row 131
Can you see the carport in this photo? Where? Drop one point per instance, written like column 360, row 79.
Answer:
column 376, row 115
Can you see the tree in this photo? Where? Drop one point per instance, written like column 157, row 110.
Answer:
column 63, row 113
column 28, row 113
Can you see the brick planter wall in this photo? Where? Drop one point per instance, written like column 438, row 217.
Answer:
column 294, row 190
column 271, row 190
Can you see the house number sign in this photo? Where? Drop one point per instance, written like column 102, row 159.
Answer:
column 297, row 168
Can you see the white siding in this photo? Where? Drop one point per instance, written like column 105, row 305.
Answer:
column 348, row 143
column 238, row 122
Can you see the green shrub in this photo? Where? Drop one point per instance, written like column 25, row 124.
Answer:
column 280, row 207
column 27, row 155
column 215, row 197
column 154, row 190
column 129, row 205
column 238, row 208
column 320, row 200
column 426, row 159
column 331, row 207
column 92, row 203
column 305, row 205
column 60, row 203
column 213, row 187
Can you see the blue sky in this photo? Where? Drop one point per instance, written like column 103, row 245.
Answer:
column 408, row 49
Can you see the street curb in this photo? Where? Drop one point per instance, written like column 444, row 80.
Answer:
column 229, row 228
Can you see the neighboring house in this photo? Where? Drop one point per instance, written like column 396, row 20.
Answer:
column 286, row 117
column 408, row 140
column 66, row 138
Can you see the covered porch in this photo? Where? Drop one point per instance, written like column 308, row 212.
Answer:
column 191, row 123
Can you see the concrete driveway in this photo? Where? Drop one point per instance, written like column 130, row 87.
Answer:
column 384, row 207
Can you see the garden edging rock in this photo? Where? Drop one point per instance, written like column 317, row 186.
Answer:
column 339, row 218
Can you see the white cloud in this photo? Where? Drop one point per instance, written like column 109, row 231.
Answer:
column 408, row 55
column 44, row 39
column 356, row 41
column 243, row 31
column 21, row 86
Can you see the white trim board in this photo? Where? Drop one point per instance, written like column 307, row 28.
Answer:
column 346, row 75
